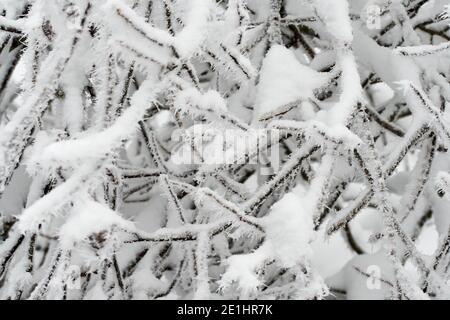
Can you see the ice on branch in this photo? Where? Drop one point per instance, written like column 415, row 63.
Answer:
column 233, row 149
column 89, row 217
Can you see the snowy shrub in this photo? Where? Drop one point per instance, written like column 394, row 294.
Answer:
column 214, row 149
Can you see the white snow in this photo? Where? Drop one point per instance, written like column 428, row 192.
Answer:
column 202, row 149
column 289, row 230
column 286, row 82
column 87, row 218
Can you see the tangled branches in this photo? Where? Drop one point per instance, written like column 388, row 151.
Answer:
column 198, row 149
